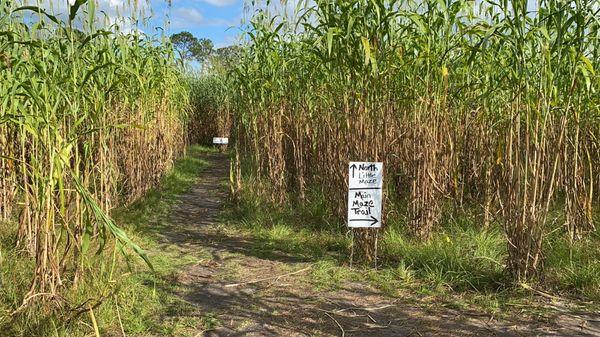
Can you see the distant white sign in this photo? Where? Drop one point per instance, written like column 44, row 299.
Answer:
column 220, row 140
column 365, row 183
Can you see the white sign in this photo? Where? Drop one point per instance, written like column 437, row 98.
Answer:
column 365, row 183
column 220, row 140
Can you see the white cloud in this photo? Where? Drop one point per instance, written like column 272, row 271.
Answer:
column 186, row 17
column 228, row 40
column 220, row 3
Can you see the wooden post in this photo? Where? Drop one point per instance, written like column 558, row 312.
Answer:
column 376, row 236
column 352, row 247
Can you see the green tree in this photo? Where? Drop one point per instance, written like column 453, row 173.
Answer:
column 205, row 49
column 226, row 57
column 190, row 47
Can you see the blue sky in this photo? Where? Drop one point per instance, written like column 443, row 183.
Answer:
column 217, row 20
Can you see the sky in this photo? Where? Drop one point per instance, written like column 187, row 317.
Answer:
column 218, row 20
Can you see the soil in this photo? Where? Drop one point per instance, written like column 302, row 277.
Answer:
column 248, row 294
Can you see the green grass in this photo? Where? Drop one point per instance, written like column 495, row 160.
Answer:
column 283, row 229
column 461, row 266
column 145, row 301
column 574, row 268
column 329, row 275
column 461, row 257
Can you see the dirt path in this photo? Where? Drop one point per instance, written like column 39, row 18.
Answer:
column 290, row 306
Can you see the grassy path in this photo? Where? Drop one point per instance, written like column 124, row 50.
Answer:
column 238, row 290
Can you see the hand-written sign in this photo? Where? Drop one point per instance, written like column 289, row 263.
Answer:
column 365, row 183
column 220, row 140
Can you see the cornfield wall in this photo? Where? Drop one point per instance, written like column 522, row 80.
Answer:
column 469, row 105
column 210, row 115
column 89, row 120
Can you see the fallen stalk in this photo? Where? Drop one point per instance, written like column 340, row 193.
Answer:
column 268, row 278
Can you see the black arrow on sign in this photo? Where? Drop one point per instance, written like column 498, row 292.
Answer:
column 373, row 220
column 353, row 167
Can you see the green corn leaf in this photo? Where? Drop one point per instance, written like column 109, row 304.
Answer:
column 329, row 41
column 588, row 65
column 106, row 222
column 73, row 9
column 367, row 49
column 92, row 71
column 91, row 14
column 85, row 241
column 38, row 10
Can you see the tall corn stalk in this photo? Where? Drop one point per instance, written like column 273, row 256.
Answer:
column 89, row 120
